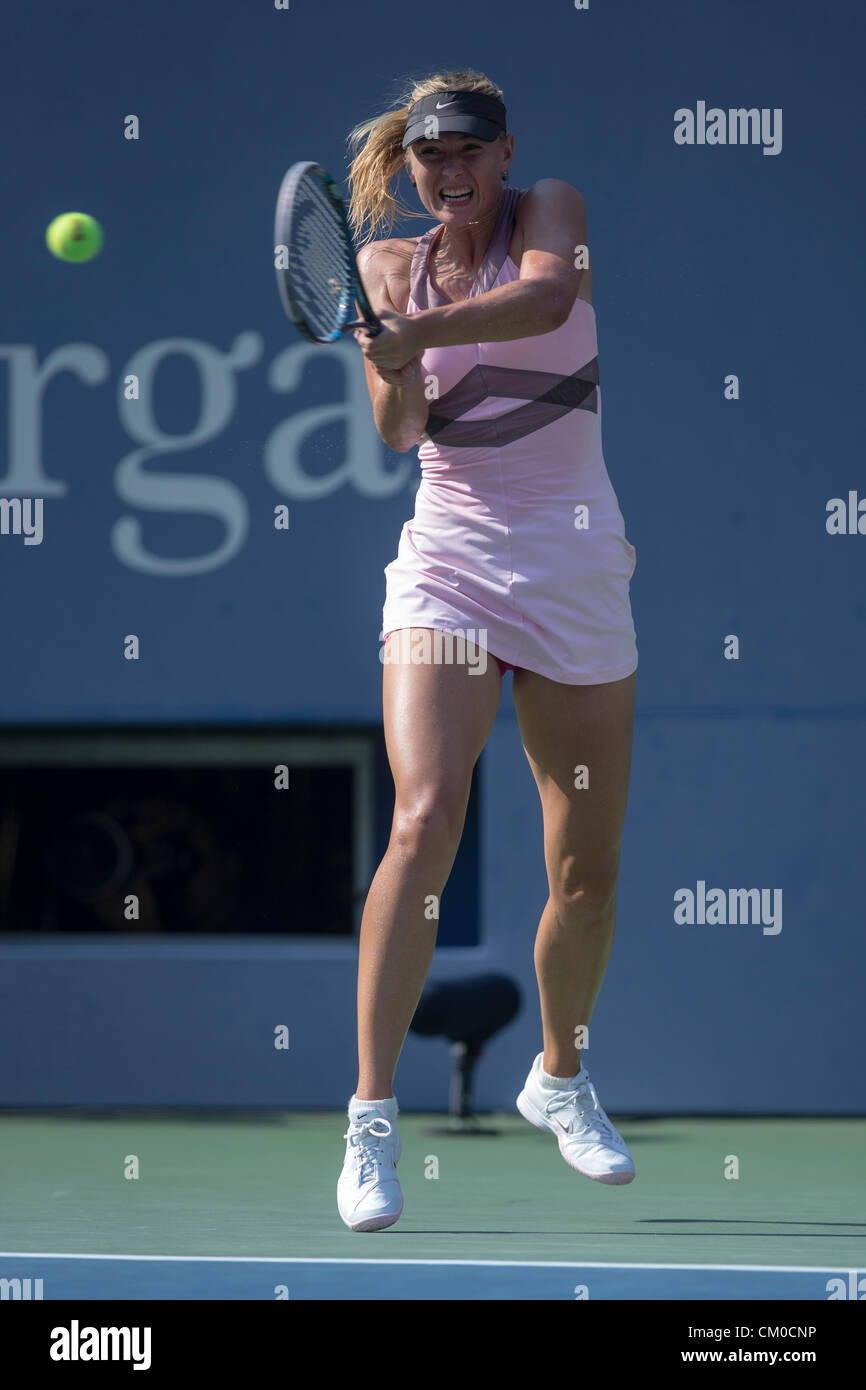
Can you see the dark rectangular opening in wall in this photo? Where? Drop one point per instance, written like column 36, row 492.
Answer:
column 187, row 829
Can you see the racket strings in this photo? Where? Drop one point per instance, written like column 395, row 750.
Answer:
column 319, row 260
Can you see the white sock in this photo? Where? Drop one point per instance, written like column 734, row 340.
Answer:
column 359, row 1108
column 555, row 1083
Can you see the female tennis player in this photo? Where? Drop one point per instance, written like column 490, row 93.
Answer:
column 488, row 359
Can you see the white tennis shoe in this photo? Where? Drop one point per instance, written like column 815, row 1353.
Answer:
column 368, row 1191
column 587, row 1140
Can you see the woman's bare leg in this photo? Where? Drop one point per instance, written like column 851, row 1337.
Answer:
column 563, row 727
column 437, row 720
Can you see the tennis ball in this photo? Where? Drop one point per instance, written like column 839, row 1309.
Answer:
column 74, row 236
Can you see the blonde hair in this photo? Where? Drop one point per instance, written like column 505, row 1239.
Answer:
column 378, row 154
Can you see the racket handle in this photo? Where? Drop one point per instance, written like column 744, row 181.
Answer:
column 372, row 328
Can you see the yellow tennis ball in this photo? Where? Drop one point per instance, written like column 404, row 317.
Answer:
column 74, row 236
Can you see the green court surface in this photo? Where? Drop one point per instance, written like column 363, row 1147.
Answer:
column 263, row 1185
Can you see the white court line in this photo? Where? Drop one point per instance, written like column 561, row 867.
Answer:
column 446, row 1264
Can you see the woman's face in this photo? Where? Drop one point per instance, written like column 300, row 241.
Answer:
column 461, row 165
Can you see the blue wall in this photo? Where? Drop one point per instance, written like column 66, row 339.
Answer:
column 158, row 517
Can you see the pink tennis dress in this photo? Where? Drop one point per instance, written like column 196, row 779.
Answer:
column 517, row 534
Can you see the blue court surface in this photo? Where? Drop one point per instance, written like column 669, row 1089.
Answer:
column 176, row 1277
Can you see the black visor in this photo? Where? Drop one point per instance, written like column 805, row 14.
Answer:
column 470, row 113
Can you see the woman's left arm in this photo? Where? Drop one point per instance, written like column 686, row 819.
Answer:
column 553, row 221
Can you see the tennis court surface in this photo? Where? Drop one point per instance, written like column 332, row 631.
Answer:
column 243, row 1206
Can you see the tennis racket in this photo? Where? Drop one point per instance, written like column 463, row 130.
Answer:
column 314, row 257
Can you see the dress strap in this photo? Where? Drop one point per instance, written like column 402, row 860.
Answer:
column 419, row 275
column 499, row 243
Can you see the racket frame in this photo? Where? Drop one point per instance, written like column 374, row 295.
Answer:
column 354, row 291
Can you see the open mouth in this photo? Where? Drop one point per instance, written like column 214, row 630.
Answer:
column 455, row 196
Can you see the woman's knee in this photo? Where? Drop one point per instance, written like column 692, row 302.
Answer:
column 579, row 886
column 429, row 821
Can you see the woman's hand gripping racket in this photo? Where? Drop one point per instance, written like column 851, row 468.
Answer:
column 317, row 274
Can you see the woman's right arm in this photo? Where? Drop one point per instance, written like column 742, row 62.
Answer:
column 400, row 407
